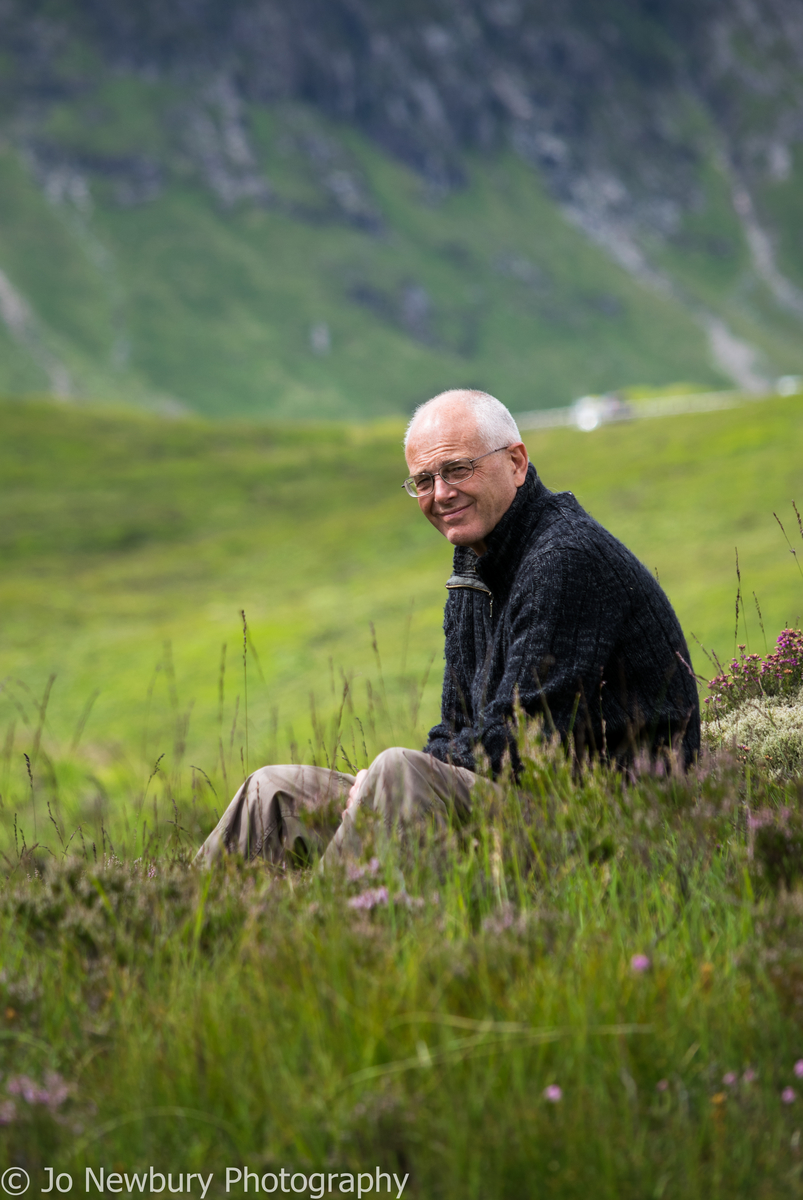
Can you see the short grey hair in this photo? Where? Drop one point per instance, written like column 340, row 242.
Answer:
column 495, row 424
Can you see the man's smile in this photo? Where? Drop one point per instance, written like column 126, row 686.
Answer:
column 450, row 513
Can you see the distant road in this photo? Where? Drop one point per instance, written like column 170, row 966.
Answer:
column 589, row 412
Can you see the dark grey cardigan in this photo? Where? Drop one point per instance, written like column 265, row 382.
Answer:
column 561, row 612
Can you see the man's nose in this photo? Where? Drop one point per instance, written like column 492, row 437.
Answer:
column 442, row 489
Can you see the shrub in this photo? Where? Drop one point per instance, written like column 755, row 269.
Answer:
column 756, row 705
column 751, row 677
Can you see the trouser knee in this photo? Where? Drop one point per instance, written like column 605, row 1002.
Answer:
column 389, row 762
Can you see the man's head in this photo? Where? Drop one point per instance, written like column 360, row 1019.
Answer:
column 463, row 424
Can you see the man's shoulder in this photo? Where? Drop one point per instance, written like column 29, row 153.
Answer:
column 568, row 534
column 564, row 525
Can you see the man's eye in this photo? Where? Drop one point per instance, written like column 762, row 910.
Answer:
column 457, row 471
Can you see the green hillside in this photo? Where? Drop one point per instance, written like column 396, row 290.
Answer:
column 130, row 544
column 178, row 300
column 319, row 212
column 320, row 277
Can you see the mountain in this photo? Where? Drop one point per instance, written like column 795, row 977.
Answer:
column 335, row 208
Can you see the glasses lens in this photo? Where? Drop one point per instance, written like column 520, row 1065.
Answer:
column 457, row 472
column 419, row 485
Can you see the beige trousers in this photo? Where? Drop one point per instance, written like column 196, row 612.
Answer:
column 298, row 812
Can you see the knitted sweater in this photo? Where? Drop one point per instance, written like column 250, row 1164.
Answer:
column 559, row 612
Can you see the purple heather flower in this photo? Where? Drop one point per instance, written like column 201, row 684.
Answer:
column 24, row 1086
column 553, row 1093
column 639, row 963
column 798, row 1068
column 370, row 898
column 500, row 921
column 729, row 1078
column 788, row 1095
column 662, row 1085
column 356, row 871
column 56, row 1090
column 54, row 1093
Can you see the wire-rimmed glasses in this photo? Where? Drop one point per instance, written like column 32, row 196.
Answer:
column 457, row 471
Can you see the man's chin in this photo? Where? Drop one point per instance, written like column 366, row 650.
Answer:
column 460, row 537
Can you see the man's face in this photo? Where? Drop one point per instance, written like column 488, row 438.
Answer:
column 464, row 513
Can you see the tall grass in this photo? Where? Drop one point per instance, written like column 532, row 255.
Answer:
column 592, row 987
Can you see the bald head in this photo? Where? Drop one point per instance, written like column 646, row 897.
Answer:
column 460, row 425
column 486, row 415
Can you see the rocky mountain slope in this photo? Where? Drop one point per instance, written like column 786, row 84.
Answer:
column 335, row 207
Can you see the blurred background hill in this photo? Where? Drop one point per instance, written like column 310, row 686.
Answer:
column 333, row 208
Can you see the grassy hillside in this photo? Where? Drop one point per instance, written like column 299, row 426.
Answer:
column 216, row 309
column 319, row 277
column 198, row 210
column 131, row 544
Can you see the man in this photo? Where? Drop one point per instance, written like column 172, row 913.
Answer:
column 546, row 610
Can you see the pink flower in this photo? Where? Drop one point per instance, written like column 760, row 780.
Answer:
column 798, row 1068
column 750, row 1076
column 729, row 1078
column 553, row 1093
column 662, row 1085
column 370, row 898
column 355, row 871
column 788, row 1095
column 8, row 1111
column 23, row 1085
column 54, row 1093
column 639, row 963
column 56, row 1090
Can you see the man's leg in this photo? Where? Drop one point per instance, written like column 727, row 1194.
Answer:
column 404, row 786
column 280, row 810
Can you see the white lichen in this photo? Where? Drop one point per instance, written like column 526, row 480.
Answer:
column 767, row 733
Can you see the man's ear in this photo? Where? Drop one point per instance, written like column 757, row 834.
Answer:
column 520, row 460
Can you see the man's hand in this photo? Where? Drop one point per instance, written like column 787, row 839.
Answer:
column 355, row 787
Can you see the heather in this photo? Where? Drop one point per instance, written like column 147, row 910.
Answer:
column 756, row 707
column 594, row 984
column 777, row 676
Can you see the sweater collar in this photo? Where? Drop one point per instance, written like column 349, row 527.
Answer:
column 507, row 542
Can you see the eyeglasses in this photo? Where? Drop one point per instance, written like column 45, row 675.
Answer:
column 452, row 472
